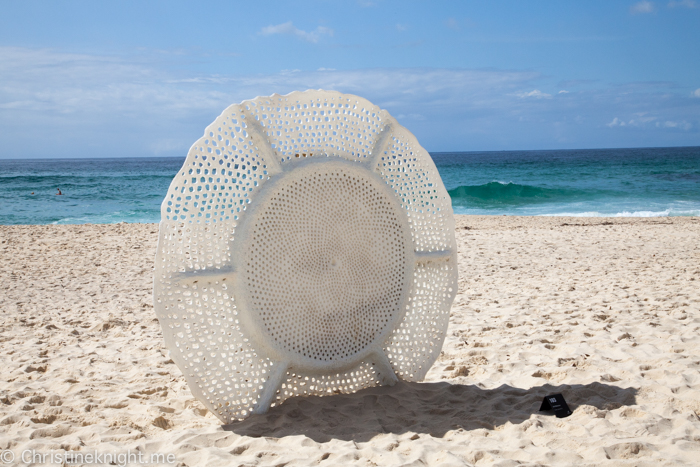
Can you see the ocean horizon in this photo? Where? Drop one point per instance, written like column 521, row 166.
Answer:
column 636, row 182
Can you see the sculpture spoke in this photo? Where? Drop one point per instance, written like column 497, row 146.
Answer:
column 205, row 275
column 380, row 145
column 257, row 133
column 277, row 377
column 387, row 376
column 433, row 256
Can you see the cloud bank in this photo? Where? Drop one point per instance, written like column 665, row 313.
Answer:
column 78, row 105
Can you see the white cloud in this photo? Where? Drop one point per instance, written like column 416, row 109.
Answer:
column 289, row 29
column 617, row 122
column 537, row 94
column 642, row 7
column 644, row 121
column 452, row 24
column 696, row 93
column 401, row 27
column 563, row 91
column 683, row 3
column 643, row 117
column 682, row 125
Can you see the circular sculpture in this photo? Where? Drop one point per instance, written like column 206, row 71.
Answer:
column 306, row 247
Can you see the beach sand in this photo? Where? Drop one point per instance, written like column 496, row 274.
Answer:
column 604, row 311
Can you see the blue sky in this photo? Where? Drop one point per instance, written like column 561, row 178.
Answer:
column 134, row 79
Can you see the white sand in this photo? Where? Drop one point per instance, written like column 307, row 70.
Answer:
column 606, row 311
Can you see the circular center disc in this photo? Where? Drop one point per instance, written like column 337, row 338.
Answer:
column 325, row 264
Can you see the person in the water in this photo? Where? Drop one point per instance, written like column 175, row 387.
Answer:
column 59, row 192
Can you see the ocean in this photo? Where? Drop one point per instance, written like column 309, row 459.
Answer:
column 642, row 182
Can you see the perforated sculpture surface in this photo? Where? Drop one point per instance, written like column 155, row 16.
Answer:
column 306, row 247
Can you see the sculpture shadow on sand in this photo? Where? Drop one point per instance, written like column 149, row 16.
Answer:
column 423, row 408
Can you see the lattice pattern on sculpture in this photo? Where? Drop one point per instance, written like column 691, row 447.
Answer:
column 306, row 247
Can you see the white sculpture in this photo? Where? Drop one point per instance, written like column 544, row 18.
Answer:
column 306, row 247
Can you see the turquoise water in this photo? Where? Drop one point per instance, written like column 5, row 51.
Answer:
column 600, row 182
column 95, row 191
column 594, row 182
